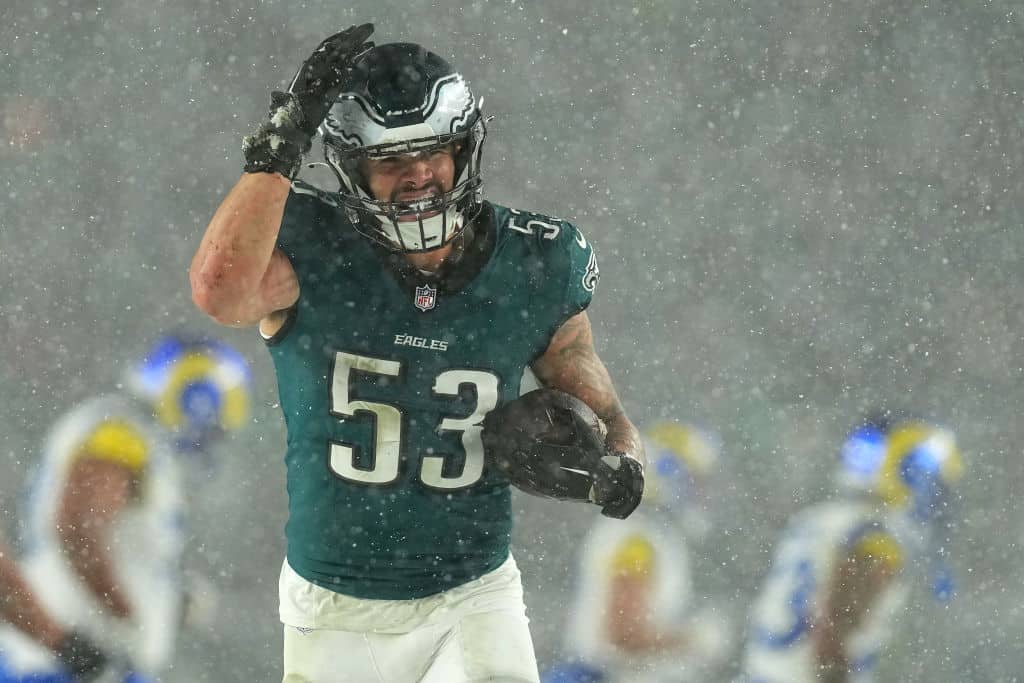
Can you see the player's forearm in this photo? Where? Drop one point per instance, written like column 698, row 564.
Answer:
column 829, row 636
column 572, row 365
column 597, row 391
column 87, row 553
column 628, row 623
column 646, row 641
column 231, row 274
column 856, row 583
column 581, row 373
column 624, row 437
column 18, row 606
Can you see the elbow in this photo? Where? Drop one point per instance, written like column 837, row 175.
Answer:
column 222, row 307
column 209, row 296
column 204, row 295
column 205, row 298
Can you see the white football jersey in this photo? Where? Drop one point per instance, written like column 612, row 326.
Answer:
column 779, row 648
column 655, row 542
column 147, row 540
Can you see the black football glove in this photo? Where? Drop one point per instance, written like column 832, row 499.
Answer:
column 81, row 657
column 279, row 144
column 549, row 444
column 618, row 485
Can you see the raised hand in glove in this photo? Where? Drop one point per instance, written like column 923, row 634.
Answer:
column 279, row 144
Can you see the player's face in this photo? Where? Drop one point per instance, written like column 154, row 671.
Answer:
column 412, row 177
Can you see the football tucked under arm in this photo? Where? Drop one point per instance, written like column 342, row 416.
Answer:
column 550, row 444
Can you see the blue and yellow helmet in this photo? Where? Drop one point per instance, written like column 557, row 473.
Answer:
column 908, row 464
column 911, row 466
column 198, row 388
column 680, row 457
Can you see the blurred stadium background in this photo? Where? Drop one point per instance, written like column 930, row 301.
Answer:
column 802, row 210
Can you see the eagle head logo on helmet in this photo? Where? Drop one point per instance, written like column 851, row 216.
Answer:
column 403, row 99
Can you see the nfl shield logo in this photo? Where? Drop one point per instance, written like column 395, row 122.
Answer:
column 426, row 297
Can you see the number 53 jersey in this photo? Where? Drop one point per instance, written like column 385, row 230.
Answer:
column 384, row 377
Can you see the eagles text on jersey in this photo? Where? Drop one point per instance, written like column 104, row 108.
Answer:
column 384, row 379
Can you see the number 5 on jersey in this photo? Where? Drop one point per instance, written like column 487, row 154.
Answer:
column 387, row 433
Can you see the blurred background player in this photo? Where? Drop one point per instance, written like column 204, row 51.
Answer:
column 633, row 618
column 20, row 607
column 104, row 526
column 842, row 571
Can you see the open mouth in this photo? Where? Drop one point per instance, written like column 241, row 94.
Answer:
column 417, row 216
column 420, row 204
column 417, row 197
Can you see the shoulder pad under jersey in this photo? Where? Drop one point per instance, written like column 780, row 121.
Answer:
column 563, row 247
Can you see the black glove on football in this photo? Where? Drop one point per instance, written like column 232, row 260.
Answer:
column 618, row 485
column 279, row 144
column 81, row 657
column 549, row 444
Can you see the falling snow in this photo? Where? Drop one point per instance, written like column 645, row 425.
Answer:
column 802, row 210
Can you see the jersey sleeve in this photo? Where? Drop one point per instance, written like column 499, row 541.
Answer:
column 308, row 213
column 117, row 442
column 300, row 233
column 583, row 272
column 558, row 263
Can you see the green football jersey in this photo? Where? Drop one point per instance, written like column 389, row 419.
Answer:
column 385, row 376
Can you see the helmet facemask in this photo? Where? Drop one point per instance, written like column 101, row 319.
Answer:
column 383, row 114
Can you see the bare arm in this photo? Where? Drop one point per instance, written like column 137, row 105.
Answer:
column 95, row 494
column 857, row 582
column 238, row 276
column 628, row 622
column 571, row 364
column 18, row 605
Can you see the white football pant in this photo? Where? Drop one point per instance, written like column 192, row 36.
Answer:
column 469, row 634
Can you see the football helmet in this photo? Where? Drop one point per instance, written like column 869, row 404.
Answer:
column 198, row 388
column 909, row 464
column 404, row 100
column 681, row 458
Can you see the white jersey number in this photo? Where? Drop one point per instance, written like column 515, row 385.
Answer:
column 388, row 425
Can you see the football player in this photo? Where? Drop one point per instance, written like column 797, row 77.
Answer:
column 399, row 311
column 633, row 617
column 104, row 525
column 842, row 569
column 81, row 659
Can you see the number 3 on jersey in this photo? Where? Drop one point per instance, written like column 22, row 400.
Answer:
column 388, row 425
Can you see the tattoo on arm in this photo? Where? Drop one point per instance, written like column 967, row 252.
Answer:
column 571, row 364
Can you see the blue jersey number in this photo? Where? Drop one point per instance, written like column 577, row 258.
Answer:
column 803, row 582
